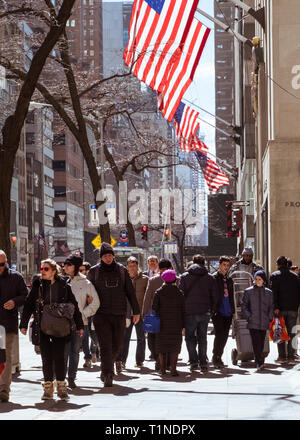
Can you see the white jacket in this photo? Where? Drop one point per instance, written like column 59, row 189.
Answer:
column 81, row 287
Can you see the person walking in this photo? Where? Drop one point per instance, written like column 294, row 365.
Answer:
column 245, row 264
column 201, row 300
column 168, row 303
column 47, row 289
column 113, row 286
column 13, row 292
column 140, row 282
column 82, row 289
column 225, row 309
column 285, row 286
column 258, row 310
column 153, row 268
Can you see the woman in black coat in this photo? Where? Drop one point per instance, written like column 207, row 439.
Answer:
column 52, row 288
column 168, row 303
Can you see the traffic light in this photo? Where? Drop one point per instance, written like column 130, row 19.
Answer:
column 14, row 241
column 237, row 219
column 167, row 234
column 144, row 232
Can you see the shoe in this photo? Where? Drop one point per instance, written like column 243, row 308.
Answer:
column 204, row 369
column 48, row 390
column 119, row 367
column 260, row 367
column 87, row 364
column 4, row 396
column 281, row 360
column 62, row 390
column 72, row 384
column 123, row 365
column 218, row 363
column 157, row 366
column 291, row 361
column 193, row 367
column 94, row 358
column 139, row 365
column 108, row 380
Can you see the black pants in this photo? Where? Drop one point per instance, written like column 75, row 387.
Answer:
column 110, row 333
column 52, row 352
column 152, row 344
column 140, row 346
column 222, row 326
column 258, row 342
column 285, row 349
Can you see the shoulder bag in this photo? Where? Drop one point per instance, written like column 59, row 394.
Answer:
column 151, row 322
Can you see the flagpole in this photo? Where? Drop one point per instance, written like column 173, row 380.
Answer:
column 258, row 15
column 215, row 116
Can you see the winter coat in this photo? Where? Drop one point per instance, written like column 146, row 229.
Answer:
column 220, row 289
column 242, row 266
column 154, row 283
column 258, row 307
column 12, row 287
column 285, row 286
column 62, row 294
column 140, row 283
column 200, row 290
column 168, row 303
column 113, row 286
column 81, row 287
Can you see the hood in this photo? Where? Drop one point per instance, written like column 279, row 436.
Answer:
column 196, row 269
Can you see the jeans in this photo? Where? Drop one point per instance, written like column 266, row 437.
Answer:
column 88, row 351
column 222, row 326
column 72, row 355
column 110, row 332
column 197, row 323
column 11, row 340
column 141, row 343
column 290, row 318
column 258, row 342
column 53, row 355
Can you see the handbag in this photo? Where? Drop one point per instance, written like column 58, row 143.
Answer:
column 151, row 322
column 56, row 318
column 278, row 331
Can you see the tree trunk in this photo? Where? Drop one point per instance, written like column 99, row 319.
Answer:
column 6, row 168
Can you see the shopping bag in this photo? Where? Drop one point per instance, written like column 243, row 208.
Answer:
column 2, row 349
column 278, row 330
column 151, row 322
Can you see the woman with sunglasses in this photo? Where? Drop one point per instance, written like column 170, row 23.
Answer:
column 52, row 288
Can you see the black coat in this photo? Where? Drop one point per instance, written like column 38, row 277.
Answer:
column 12, row 287
column 200, row 290
column 32, row 304
column 257, row 307
column 285, row 286
column 220, row 289
column 168, row 303
column 113, row 286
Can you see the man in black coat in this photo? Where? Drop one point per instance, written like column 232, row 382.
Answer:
column 113, row 285
column 225, row 309
column 285, row 285
column 201, row 298
column 13, row 292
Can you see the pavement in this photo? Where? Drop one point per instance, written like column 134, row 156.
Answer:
column 237, row 392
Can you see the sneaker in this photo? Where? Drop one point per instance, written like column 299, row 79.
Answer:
column 119, row 367
column 72, row 384
column 87, row 364
column 193, row 367
column 139, row 365
column 4, row 396
column 94, row 358
column 218, row 363
column 204, row 368
column 157, row 366
column 281, row 360
column 108, row 380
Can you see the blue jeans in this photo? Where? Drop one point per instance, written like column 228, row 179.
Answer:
column 197, row 324
column 72, row 355
column 141, row 343
column 89, row 350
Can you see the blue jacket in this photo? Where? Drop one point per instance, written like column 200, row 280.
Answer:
column 258, row 307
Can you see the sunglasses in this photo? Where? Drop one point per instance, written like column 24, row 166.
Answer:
column 2, row 264
column 45, row 269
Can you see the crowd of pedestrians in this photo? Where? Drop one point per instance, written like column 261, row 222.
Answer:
column 109, row 300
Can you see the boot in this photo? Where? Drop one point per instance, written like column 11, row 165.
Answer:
column 62, row 389
column 108, row 380
column 48, row 390
column 162, row 361
column 173, row 364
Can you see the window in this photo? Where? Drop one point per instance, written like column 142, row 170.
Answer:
column 30, row 118
column 60, row 191
column 59, row 165
column 73, row 23
column 30, row 138
column 48, row 181
column 92, row 53
column 91, row 22
column 48, row 200
column 48, row 162
column 36, row 204
column 59, row 139
column 48, row 220
column 36, row 180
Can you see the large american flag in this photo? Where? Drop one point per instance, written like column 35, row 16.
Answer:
column 157, row 31
column 186, row 125
column 213, row 175
column 183, row 69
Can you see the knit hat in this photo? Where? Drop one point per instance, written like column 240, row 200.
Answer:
column 106, row 248
column 169, row 276
column 261, row 274
column 247, row 251
column 75, row 260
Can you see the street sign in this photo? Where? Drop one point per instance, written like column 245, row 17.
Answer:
column 170, row 247
column 240, row 203
column 154, row 249
column 94, row 219
column 96, row 242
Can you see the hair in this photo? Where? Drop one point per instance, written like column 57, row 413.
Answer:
column 152, row 256
column 87, row 265
column 53, row 265
column 289, row 263
column 133, row 260
column 199, row 259
column 3, row 253
column 164, row 263
column 282, row 261
column 224, row 258
column 294, row 267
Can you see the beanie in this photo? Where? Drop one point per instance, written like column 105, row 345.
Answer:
column 247, row 251
column 106, row 248
column 169, row 276
column 75, row 260
column 261, row 274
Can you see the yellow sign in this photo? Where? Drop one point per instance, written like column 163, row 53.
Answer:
column 96, row 242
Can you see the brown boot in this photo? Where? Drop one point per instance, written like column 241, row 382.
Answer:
column 162, row 362
column 173, row 364
column 48, row 390
column 62, row 389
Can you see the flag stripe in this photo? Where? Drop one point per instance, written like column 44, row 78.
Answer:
column 213, row 175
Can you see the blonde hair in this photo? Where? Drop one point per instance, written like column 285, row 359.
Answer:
column 53, row 265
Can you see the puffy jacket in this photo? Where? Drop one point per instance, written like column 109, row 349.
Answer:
column 258, row 307
column 200, row 290
column 220, row 289
column 81, row 287
column 113, row 286
column 12, row 287
column 285, row 286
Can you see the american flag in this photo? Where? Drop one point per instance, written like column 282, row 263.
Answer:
column 213, row 175
column 42, row 242
column 186, row 125
column 157, row 31
column 65, row 249
column 183, row 69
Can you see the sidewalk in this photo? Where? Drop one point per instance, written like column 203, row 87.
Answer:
column 237, row 392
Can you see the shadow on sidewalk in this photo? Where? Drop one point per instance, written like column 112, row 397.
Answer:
column 48, row 405
column 120, row 390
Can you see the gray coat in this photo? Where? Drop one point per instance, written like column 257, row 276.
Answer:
column 258, row 307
